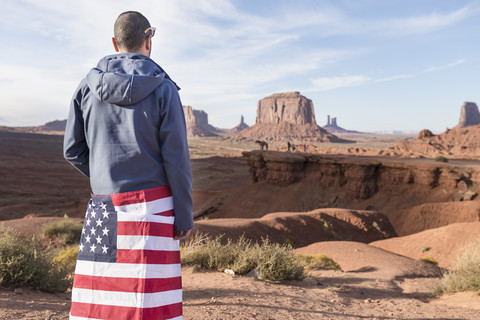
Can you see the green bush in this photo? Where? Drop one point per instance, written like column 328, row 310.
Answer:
column 466, row 276
column 66, row 230
column 441, row 159
column 23, row 262
column 274, row 262
column 320, row 261
column 67, row 259
column 429, row 259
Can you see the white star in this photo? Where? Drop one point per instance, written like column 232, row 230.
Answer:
column 99, row 222
column 103, row 206
column 88, row 222
column 92, row 248
column 92, row 230
column 99, row 239
column 105, row 231
column 90, row 205
column 87, row 239
column 93, row 213
column 81, row 247
column 105, row 214
column 83, row 230
column 104, row 249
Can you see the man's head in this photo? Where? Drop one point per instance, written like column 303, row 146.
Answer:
column 132, row 33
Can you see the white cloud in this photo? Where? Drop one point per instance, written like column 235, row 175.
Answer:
column 330, row 83
column 428, row 22
column 219, row 54
column 446, row 66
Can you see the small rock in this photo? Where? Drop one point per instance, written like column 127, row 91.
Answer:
column 18, row 291
column 254, row 273
column 229, row 272
column 367, row 300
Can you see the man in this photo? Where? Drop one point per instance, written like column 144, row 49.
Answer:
column 126, row 132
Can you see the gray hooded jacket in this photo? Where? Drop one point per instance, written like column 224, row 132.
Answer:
column 126, row 131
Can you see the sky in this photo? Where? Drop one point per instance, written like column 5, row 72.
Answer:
column 376, row 65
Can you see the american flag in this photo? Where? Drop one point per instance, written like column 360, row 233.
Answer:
column 128, row 264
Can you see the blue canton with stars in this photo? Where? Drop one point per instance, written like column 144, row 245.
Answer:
column 99, row 233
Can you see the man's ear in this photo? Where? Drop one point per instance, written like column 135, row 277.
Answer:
column 114, row 41
column 148, row 44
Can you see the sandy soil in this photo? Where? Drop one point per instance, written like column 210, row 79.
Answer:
column 375, row 284
column 332, row 295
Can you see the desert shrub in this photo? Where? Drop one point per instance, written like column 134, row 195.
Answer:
column 275, row 262
column 429, row 259
column 466, row 276
column 23, row 262
column 66, row 230
column 441, row 159
column 66, row 258
column 207, row 253
column 320, row 261
column 328, row 227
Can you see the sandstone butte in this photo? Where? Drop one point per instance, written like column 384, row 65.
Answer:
column 287, row 117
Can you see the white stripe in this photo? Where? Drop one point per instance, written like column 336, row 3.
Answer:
column 128, row 270
column 151, row 207
column 147, row 243
column 141, row 216
column 127, row 299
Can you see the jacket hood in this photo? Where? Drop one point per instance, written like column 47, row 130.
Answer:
column 125, row 79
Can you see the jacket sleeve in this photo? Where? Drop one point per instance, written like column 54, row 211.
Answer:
column 75, row 148
column 176, row 158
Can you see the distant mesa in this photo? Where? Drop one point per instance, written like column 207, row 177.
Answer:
column 287, row 117
column 52, row 127
column 198, row 126
column 332, row 126
column 469, row 115
column 197, row 123
column 56, row 125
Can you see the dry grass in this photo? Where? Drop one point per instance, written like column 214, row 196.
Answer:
column 272, row 262
column 66, row 231
column 466, row 277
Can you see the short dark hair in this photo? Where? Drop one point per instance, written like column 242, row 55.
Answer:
column 129, row 30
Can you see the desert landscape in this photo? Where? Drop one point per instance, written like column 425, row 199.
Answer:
column 394, row 212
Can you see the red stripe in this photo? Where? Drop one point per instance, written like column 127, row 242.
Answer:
column 127, row 284
column 168, row 213
column 145, row 195
column 141, row 228
column 148, row 256
column 98, row 311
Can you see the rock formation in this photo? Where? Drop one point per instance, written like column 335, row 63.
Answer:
column 52, row 127
column 469, row 115
column 459, row 143
column 425, row 133
column 380, row 184
column 287, row 117
column 197, row 123
column 241, row 126
column 290, row 107
column 333, row 127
